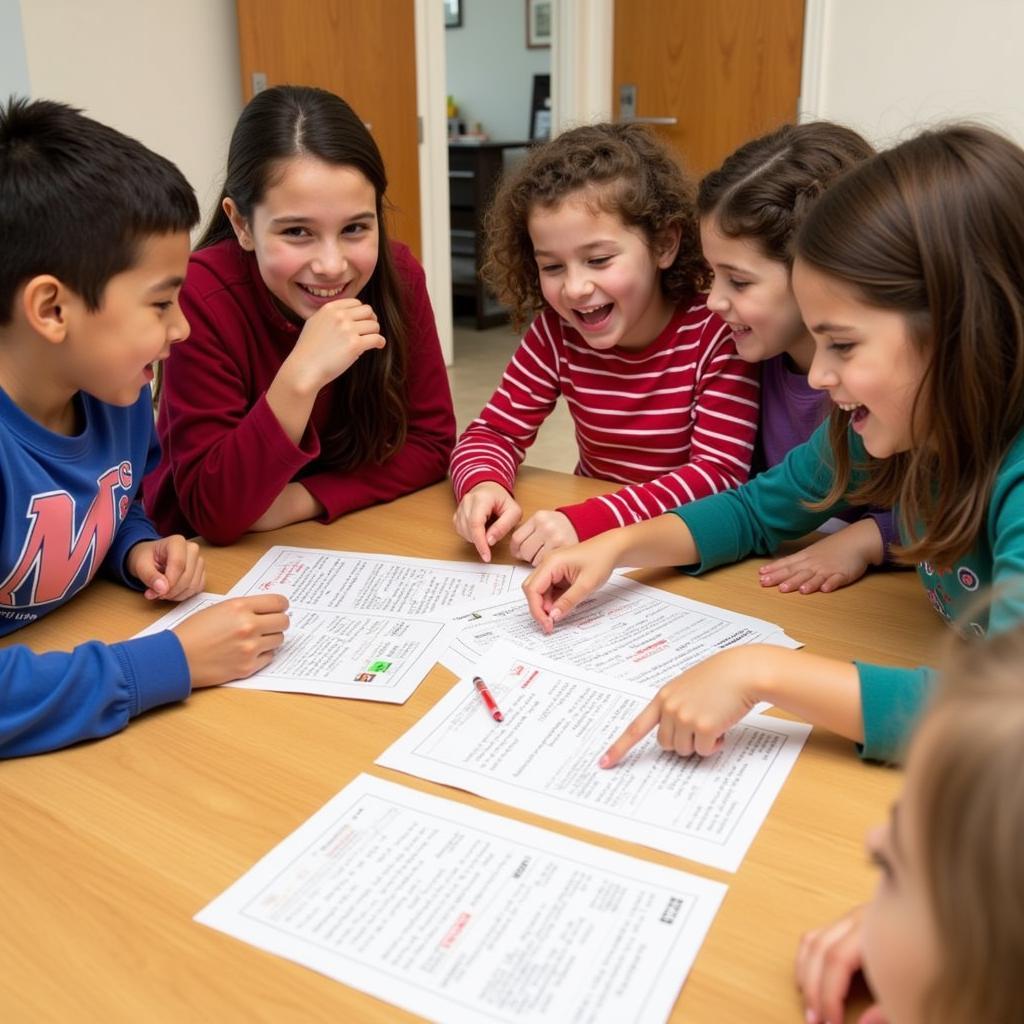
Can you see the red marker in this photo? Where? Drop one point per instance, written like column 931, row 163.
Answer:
column 492, row 707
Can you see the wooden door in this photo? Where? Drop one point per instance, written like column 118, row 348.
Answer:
column 363, row 50
column 727, row 70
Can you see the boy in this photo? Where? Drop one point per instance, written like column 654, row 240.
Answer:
column 93, row 248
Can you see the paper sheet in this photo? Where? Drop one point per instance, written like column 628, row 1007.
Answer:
column 354, row 654
column 351, row 581
column 559, row 719
column 465, row 917
column 627, row 630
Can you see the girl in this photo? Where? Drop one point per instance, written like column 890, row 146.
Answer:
column 921, row 350
column 943, row 939
column 749, row 209
column 313, row 384
column 596, row 232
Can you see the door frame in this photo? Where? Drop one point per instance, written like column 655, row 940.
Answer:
column 581, row 73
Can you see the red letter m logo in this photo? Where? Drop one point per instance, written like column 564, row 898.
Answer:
column 52, row 557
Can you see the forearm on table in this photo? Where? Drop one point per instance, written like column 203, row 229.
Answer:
column 823, row 691
column 664, row 540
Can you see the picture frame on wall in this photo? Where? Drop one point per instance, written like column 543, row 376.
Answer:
column 453, row 13
column 538, row 24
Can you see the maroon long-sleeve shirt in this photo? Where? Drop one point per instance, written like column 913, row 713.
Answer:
column 226, row 457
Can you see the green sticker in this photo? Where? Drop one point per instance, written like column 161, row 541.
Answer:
column 379, row 666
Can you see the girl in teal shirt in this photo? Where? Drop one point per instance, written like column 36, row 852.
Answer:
column 909, row 273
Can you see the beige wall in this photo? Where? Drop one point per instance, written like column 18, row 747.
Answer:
column 166, row 73
column 888, row 67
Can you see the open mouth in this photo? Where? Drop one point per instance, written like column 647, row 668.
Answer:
column 857, row 412
column 594, row 316
column 739, row 330
column 321, row 293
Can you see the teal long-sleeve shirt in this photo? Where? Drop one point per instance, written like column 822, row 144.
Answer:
column 757, row 517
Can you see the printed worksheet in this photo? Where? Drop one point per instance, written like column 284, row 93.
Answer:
column 558, row 719
column 466, row 917
column 354, row 654
column 353, row 582
column 626, row 629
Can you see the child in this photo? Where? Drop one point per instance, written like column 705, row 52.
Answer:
column 749, row 209
column 910, row 273
column 94, row 231
column 313, row 384
column 596, row 229
column 943, row 939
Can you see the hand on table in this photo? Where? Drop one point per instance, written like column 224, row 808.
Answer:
column 479, row 506
column 545, row 531
column 170, row 567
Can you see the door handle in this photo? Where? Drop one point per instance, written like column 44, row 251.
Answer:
column 649, row 120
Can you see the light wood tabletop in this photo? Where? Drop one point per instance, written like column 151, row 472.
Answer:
column 109, row 848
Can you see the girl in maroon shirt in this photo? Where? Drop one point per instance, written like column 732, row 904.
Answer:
column 313, row 383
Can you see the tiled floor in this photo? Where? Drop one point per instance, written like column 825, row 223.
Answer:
column 480, row 359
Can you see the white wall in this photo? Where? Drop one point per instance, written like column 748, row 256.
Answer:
column 13, row 69
column 888, row 68
column 166, row 74
column 489, row 69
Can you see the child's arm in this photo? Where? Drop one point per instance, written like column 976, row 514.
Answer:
column 833, row 562
column 490, row 451
column 423, row 458
column 48, row 701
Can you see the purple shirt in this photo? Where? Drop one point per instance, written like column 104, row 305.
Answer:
column 791, row 410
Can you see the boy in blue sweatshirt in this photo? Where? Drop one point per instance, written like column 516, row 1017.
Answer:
column 93, row 250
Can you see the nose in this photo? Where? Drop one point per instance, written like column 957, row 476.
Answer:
column 179, row 328
column 577, row 284
column 717, row 301
column 821, row 375
column 329, row 260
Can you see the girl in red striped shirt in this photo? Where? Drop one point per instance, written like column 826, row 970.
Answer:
column 595, row 237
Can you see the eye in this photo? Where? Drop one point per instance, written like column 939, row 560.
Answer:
column 295, row 232
column 550, row 268
column 355, row 229
column 738, row 285
column 599, row 261
column 841, row 348
column 163, row 306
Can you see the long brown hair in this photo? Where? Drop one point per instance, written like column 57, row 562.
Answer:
column 370, row 421
column 763, row 190
column 970, row 791
column 623, row 169
column 934, row 229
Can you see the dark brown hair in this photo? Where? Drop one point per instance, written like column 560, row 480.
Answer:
column 623, row 169
column 763, row 190
column 969, row 781
column 371, row 418
column 934, row 229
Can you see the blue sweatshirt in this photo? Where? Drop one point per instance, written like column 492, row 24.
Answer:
column 68, row 510
column 757, row 517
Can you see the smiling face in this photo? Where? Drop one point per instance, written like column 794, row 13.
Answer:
column 315, row 234
column 865, row 358
column 901, row 949
column 109, row 352
column 752, row 294
column 599, row 275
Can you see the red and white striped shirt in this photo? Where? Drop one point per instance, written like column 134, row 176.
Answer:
column 676, row 420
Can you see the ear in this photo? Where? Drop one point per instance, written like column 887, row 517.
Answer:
column 667, row 246
column 239, row 224
column 43, row 302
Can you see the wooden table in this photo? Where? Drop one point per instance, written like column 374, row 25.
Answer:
column 109, row 848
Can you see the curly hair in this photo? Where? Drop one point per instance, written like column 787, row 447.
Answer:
column 623, row 169
column 763, row 191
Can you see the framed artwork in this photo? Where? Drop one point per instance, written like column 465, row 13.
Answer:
column 538, row 24
column 452, row 13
